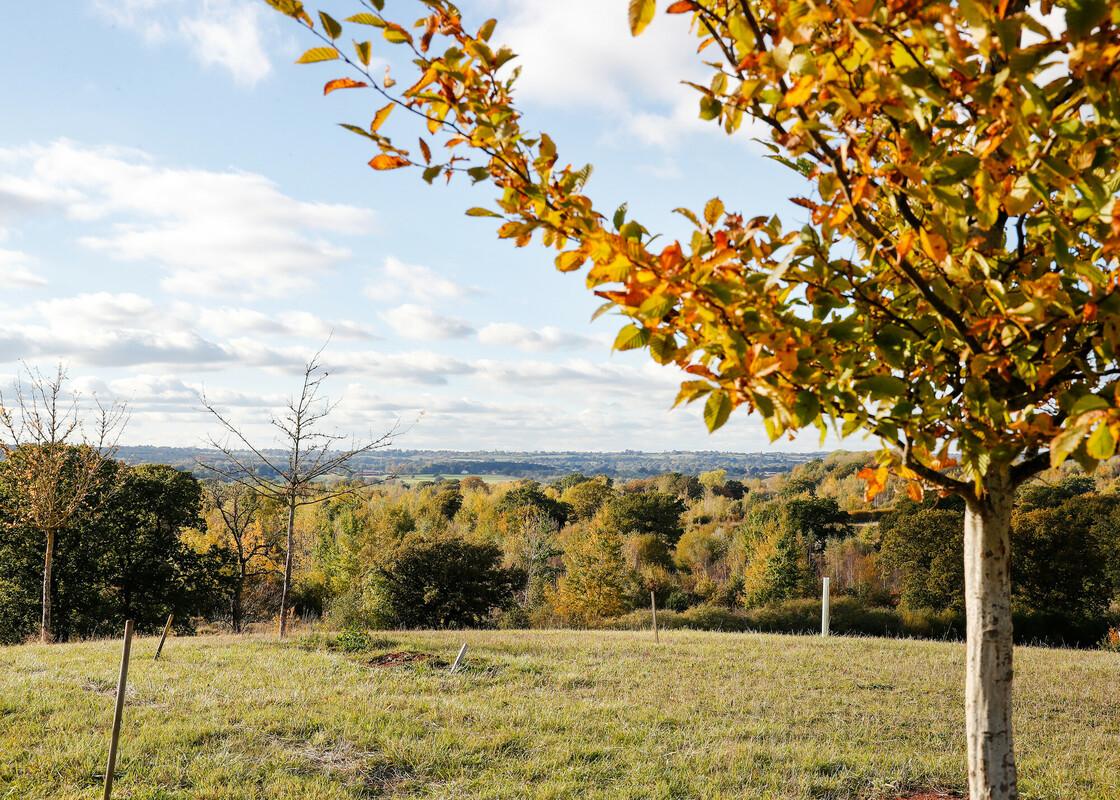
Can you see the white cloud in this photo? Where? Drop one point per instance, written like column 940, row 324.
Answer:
column 223, row 33
column 549, row 337
column 18, row 269
column 235, row 321
column 212, row 232
column 580, row 54
column 229, row 35
column 413, row 321
column 400, row 280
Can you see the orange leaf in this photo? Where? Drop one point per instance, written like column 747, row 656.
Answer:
column 342, row 83
column 425, row 79
column 876, row 480
column 671, row 257
column 801, row 92
column 385, row 161
column 427, row 151
column 680, row 7
column 914, row 491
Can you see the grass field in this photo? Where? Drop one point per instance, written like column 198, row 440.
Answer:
column 542, row 715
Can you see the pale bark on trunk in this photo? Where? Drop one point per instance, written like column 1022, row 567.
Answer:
column 45, row 633
column 287, row 568
column 987, row 572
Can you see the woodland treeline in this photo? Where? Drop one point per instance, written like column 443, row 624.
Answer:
column 716, row 552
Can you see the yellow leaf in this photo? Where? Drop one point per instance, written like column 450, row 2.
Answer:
column 566, row 262
column 380, row 117
column 316, row 54
column 935, row 246
column 641, row 14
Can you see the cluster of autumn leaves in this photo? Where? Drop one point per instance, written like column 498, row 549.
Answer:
column 963, row 158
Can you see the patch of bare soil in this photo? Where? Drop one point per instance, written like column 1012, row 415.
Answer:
column 406, row 657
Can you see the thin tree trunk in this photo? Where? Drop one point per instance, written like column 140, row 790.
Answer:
column 45, row 633
column 987, row 571
column 287, row 568
column 235, row 606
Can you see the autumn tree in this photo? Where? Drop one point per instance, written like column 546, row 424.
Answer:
column 952, row 293
column 296, row 474
column 238, row 511
column 58, row 454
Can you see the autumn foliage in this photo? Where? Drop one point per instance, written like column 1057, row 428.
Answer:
column 967, row 152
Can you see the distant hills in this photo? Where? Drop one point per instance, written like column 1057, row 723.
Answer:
column 540, row 465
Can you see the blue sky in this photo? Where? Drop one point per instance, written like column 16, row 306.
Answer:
column 179, row 212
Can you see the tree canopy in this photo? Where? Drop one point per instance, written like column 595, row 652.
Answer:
column 952, row 288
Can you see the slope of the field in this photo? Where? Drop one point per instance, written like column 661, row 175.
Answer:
column 542, row 715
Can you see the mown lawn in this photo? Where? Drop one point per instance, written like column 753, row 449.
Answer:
column 542, row 715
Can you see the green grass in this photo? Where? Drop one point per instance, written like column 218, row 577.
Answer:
column 592, row 715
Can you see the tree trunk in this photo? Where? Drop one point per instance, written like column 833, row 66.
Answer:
column 235, row 605
column 45, row 633
column 287, row 568
column 987, row 580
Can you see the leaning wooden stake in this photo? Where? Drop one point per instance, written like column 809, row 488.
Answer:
column 824, row 609
column 163, row 637
column 121, row 683
column 459, row 658
column 653, row 605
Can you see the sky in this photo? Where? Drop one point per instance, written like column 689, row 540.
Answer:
column 180, row 214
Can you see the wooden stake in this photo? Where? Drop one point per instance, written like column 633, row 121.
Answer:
column 121, row 684
column 824, row 609
column 459, row 658
column 653, row 605
column 163, row 637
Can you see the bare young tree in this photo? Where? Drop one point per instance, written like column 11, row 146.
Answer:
column 307, row 459
column 239, row 508
column 59, row 457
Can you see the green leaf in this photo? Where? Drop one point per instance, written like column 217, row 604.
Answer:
column 1084, row 15
column 330, row 25
column 663, row 348
column 482, row 212
column 641, row 14
column 357, row 130
column 632, row 230
column 619, row 216
column 631, row 337
column 431, row 173
column 316, row 54
column 1101, row 445
column 882, row 386
column 709, row 107
column 1089, row 402
column 362, row 49
column 717, row 409
column 807, row 409
column 656, row 306
column 1064, row 444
